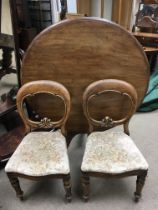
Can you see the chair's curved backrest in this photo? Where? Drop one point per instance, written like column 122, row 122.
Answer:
column 51, row 88
column 112, row 86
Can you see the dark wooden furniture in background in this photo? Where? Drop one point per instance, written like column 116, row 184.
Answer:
column 118, row 161
column 63, row 9
column 22, row 25
column 149, row 42
column 147, row 16
column 80, row 52
column 29, row 160
column 7, row 46
column 10, row 141
column 8, row 114
column 146, row 29
column 31, row 17
column 40, row 14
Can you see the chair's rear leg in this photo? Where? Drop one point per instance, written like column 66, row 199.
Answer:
column 85, row 187
column 139, row 186
column 67, row 186
column 15, row 183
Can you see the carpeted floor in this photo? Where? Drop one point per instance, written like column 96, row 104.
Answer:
column 105, row 194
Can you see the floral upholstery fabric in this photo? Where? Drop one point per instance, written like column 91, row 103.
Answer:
column 111, row 152
column 40, row 154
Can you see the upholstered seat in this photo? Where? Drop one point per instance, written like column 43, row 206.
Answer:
column 112, row 152
column 40, row 154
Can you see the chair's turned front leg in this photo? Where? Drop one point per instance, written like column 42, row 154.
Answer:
column 139, row 186
column 67, row 186
column 15, row 183
column 85, row 186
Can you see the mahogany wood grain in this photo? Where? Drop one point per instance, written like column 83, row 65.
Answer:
column 78, row 52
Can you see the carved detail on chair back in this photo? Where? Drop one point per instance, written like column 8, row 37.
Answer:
column 47, row 87
column 113, row 86
column 46, row 123
column 107, row 122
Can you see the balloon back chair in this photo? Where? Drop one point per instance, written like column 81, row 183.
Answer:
column 111, row 153
column 43, row 151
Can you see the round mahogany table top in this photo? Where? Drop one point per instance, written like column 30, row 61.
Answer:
column 80, row 51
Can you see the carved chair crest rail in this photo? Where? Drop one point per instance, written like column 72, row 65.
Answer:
column 50, row 88
column 113, row 86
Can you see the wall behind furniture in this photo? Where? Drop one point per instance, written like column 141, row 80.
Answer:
column 107, row 9
column 6, row 18
column 72, row 6
column 101, row 8
column 94, row 8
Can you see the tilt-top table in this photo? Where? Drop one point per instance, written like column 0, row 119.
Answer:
column 79, row 52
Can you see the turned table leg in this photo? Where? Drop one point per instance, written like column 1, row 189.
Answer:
column 85, row 187
column 67, row 186
column 15, row 184
column 139, row 186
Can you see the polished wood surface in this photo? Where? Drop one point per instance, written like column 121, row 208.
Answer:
column 143, row 34
column 78, row 52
